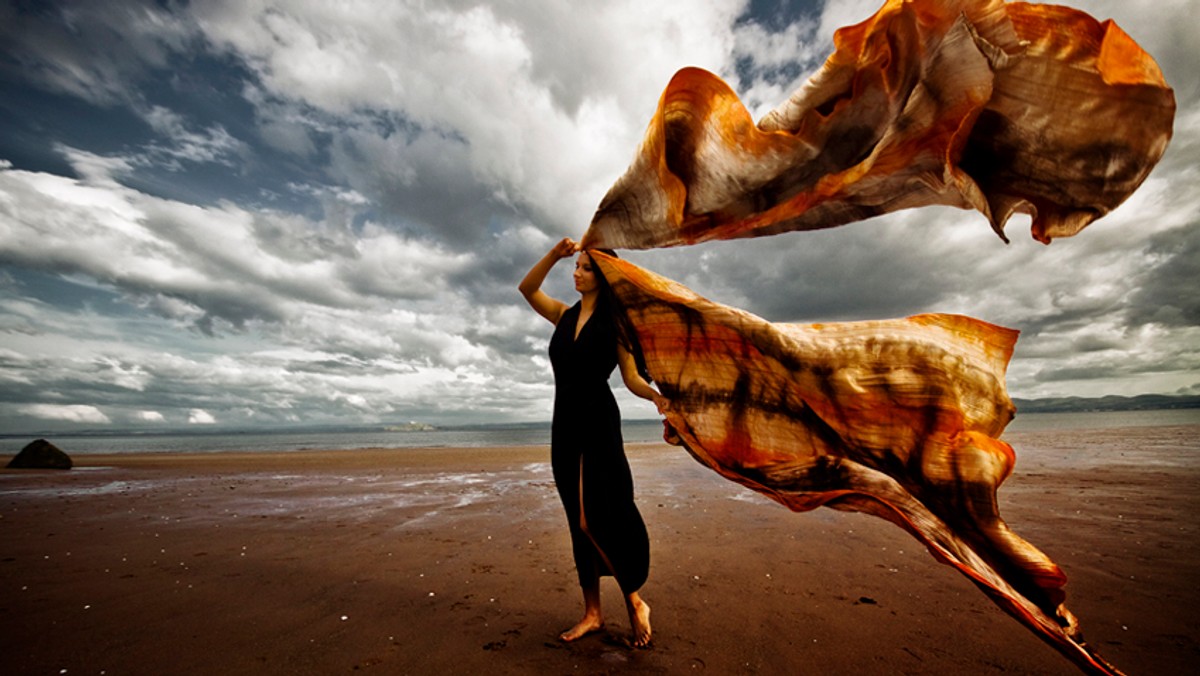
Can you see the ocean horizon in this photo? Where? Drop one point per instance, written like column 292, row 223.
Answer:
column 470, row 436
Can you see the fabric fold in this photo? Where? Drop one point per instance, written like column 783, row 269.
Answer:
column 979, row 104
column 897, row 418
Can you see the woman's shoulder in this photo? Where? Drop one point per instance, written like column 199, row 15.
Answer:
column 569, row 315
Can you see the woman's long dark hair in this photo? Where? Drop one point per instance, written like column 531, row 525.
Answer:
column 626, row 334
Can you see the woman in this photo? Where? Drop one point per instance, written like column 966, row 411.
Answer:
column 587, row 453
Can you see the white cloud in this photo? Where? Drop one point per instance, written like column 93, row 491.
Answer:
column 150, row 416
column 386, row 265
column 781, row 62
column 198, row 416
column 222, row 262
column 582, row 76
column 843, row 13
column 185, row 144
column 75, row 413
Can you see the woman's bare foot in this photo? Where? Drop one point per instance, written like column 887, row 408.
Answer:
column 589, row 624
column 639, row 619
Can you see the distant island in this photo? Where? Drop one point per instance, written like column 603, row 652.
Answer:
column 410, row 426
column 1141, row 402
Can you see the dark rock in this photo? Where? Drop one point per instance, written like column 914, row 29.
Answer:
column 40, row 454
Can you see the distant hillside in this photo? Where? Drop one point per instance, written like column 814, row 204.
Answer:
column 1142, row 402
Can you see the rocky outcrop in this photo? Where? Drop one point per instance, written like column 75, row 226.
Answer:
column 41, row 454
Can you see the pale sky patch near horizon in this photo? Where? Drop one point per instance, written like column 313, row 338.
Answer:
column 235, row 213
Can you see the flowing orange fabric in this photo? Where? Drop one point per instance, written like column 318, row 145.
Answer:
column 978, row 104
column 896, row 418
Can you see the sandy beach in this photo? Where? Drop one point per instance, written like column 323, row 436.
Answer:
column 438, row 561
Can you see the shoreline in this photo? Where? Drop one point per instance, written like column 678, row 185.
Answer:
column 457, row 560
column 367, row 438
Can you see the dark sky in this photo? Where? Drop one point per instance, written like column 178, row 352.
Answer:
column 245, row 212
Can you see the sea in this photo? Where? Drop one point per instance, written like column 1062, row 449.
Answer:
column 525, row 434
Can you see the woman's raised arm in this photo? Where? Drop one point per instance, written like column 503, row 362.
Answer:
column 531, row 286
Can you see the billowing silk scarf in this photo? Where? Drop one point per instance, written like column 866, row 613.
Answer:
column 897, row 418
column 996, row 107
column 979, row 104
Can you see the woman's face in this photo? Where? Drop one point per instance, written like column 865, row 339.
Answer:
column 585, row 276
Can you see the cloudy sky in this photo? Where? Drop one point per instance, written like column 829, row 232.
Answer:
column 268, row 212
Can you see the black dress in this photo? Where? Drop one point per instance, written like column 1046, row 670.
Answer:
column 587, row 450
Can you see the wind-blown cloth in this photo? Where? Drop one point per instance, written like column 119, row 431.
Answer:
column 897, row 418
column 978, row 104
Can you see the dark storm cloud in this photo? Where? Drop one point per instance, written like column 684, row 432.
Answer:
column 884, row 267
column 1169, row 293
column 423, row 183
column 89, row 50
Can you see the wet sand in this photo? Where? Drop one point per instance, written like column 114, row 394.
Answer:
column 458, row 561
